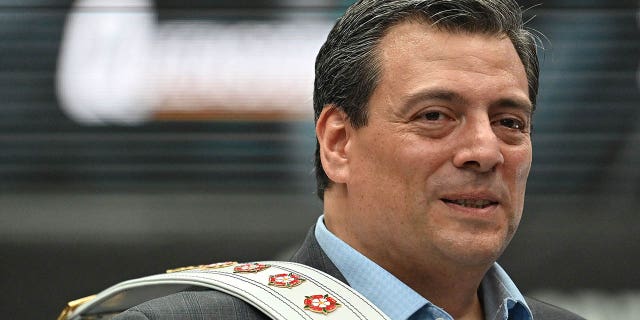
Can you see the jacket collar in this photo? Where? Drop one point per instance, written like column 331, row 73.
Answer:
column 311, row 254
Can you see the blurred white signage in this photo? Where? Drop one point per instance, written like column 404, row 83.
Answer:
column 117, row 64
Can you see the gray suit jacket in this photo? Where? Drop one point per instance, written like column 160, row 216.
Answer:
column 208, row 304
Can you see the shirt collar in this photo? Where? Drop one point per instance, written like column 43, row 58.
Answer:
column 501, row 297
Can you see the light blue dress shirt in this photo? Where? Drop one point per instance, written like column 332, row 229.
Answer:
column 501, row 299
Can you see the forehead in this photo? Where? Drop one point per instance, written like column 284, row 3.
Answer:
column 411, row 48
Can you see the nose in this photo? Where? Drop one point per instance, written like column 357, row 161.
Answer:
column 478, row 147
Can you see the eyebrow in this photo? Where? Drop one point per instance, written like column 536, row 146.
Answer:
column 456, row 98
column 526, row 106
column 434, row 94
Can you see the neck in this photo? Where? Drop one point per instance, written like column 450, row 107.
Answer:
column 453, row 289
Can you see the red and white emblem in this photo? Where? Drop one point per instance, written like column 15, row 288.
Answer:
column 250, row 267
column 285, row 280
column 320, row 303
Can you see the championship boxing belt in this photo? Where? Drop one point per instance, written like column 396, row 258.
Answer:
column 279, row 289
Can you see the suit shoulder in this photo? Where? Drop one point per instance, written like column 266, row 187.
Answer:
column 545, row 311
column 193, row 304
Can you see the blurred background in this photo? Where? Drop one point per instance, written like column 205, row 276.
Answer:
column 140, row 135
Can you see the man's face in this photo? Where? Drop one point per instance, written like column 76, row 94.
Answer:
column 440, row 169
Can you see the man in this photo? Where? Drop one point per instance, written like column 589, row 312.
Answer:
column 423, row 119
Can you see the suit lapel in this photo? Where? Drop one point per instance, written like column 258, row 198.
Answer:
column 310, row 253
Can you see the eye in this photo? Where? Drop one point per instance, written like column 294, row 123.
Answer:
column 434, row 122
column 512, row 123
column 434, row 116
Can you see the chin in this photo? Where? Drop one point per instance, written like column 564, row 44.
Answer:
column 476, row 250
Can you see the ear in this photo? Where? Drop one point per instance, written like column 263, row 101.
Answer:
column 332, row 131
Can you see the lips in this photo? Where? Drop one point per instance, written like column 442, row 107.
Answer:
column 472, row 203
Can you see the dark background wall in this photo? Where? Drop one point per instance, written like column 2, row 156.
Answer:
column 83, row 207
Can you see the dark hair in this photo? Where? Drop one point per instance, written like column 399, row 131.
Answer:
column 347, row 70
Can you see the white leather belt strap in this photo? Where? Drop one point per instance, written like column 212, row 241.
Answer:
column 281, row 290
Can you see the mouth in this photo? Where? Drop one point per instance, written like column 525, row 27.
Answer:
column 472, row 203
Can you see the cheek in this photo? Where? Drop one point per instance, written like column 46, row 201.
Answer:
column 388, row 173
column 522, row 173
column 521, row 165
column 387, row 156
